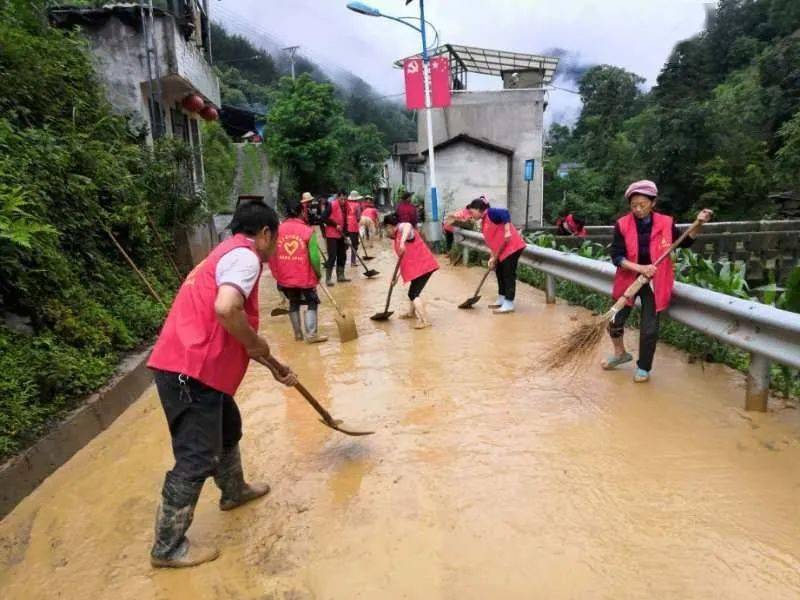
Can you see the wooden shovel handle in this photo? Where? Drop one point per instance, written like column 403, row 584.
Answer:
column 391, row 286
column 483, row 280
column 330, row 297
column 281, row 371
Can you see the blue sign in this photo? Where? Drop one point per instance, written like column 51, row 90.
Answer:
column 529, row 170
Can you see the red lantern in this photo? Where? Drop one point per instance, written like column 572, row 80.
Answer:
column 209, row 113
column 193, row 103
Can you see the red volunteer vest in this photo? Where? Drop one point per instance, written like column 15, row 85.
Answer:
column 495, row 236
column 337, row 216
column 352, row 207
column 291, row 263
column 573, row 227
column 193, row 341
column 660, row 241
column 417, row 260
column 460, row 215
column 372, row 213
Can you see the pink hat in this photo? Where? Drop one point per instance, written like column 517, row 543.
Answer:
column 644, row 187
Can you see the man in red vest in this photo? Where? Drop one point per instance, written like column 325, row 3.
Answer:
column 296, row 267
column 640, row 238
column 199, row 359
column 334, row 217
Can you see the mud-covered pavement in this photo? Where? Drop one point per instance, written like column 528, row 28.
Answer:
column 487, row 478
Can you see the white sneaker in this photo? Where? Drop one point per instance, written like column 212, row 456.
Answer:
column 507, row 307
column 499, row 302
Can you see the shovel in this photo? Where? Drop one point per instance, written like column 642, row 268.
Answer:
column 364, row 246
column 281, row 310
column 472, row 301
column 345, row 323
column 370, row 273
column 383, row 316
column 326, row 419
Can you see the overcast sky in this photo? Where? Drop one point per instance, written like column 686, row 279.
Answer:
column 635, row 34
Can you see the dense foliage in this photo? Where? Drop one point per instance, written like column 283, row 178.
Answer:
column 720, row 129
column 70, row 173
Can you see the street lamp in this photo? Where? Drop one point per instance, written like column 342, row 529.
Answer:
column 434, row 231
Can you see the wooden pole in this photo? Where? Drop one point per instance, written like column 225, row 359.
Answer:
column 135, row 268
column 164, row 247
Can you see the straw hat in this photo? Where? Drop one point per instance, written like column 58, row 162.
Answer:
column 354, row 195
column 307, row 197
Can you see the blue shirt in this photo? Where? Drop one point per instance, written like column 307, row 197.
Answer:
column 498, row 216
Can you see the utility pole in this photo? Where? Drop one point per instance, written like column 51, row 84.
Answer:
column 292, row 50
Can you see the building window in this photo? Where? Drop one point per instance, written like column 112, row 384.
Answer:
column 157, row 127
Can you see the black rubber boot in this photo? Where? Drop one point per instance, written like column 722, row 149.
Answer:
column 329, row 277
column 175, row 513
column 340, row 276
column 230, row 480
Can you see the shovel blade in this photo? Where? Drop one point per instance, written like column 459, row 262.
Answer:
column 336, row 427
column 347, row 328
column 367, row 257
column 371, row 273
column 469, row 303
column 382, row 316
column 279, row 312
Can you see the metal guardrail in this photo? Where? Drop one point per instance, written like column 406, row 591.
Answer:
column 767, row 333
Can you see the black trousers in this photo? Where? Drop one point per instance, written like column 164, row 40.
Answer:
column 202, row 422
column 417, row 285
column 648, row 328
column 449, row 237
column 337, row 253
column 300, row 296
column 506, row 271
column 353, row 242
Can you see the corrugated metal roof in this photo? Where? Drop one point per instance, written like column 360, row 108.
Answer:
column 494, row 62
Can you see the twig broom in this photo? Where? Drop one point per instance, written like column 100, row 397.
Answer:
column 575, row 348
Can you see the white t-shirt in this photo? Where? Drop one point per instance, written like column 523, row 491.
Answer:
column 240, row 268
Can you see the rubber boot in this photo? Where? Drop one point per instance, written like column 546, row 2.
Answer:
column 340, row 276
column 171, row 547
column 411, row 312
column 312, row 337
column 422, row 314
column 499, row 302
column 507, row 307
column 353, row 262
column 294, row 317
column 329, row 277
column 230, row 480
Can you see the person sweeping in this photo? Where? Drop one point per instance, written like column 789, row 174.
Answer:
column 450, row 222
column 334, row 217
column 353, row 221
column 417, row 264
column 506, row 245
column 640, row 238
column 296, row 268
column 201, row 355
column 369, row 220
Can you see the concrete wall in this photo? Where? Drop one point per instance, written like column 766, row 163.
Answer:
column 511, row 118
column 465, row 171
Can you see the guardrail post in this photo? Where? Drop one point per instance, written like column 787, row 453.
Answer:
column 550, row 289
column 465, row 255
column 757, row 383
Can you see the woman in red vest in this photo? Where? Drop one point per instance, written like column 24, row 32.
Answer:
column 296, row 268
column 506, row 245
column 353, row 219
column 450, row 222
column 334, row 217
column 199, row 359
column 369, row 220
column 640, row 238
column 417, row 263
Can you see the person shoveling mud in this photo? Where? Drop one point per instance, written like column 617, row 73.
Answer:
column 199, row 359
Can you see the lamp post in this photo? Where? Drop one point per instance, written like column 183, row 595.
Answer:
column 433, row 228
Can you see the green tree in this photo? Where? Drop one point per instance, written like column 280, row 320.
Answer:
column 361, row 157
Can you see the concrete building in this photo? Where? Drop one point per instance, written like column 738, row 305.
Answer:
column 486, row 137
column 149, row 64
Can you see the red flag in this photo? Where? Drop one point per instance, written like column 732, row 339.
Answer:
column 440, row 82
column 415, row 83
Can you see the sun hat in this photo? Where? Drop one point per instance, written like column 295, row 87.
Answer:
column 307, row 197
column 354, row 195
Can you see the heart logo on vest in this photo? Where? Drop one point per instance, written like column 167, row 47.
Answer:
column 291, row 247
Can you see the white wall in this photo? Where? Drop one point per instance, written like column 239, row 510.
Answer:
column 511, row 118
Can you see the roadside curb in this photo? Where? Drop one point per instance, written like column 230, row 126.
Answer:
column 22, row 474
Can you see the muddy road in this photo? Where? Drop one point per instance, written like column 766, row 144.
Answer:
column 487, row 478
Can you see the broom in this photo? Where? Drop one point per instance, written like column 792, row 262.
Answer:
column 574, row 349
